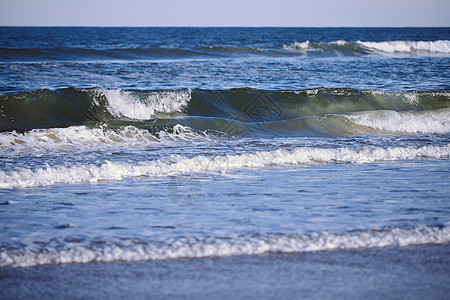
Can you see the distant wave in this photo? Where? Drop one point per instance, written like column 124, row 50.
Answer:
column 68, row 54
column 60, row 251
column 306, row 48
column 409, row 46
column 440, row 47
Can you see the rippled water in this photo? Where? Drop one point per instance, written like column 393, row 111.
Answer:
column 153, row 143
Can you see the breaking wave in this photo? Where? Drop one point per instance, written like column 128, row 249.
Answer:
column 409, row 46
column 83, row 138
column 418, row 48
column 71, row 106
column 435, row 121
column 237, row 111
column 307, row 48
column 138, row 135
column 177, row 164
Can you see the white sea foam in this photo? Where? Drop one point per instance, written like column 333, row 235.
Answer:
column 82, row 138
column 339, row 42
column 176, row 164
column 307, row 45
column 62, row 252
column 297, row 46
column 126, row 104
column 390, row 47
column 436, row 121
column 441, row 46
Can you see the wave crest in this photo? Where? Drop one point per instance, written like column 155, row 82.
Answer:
column 244, row 111
column 436, row 121
column 145, row 105
column 439, row 47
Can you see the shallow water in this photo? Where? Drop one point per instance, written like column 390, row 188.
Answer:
column 414, row 272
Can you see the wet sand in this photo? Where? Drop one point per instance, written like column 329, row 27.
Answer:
column 416, row 272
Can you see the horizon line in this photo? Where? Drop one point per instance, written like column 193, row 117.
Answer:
column 219, row 26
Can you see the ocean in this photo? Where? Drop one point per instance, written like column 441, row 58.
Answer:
column 187, row 145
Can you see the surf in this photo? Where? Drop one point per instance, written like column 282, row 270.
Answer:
column 358, row 48
column 175, row 164
column 233, row 112
column 67, row 251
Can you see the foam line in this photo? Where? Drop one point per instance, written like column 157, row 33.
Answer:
column 176, row 164
column 60, row 252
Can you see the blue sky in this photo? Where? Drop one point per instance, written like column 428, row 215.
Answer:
column 225, row 13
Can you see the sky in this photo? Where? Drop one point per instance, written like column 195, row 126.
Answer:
column 295, row 13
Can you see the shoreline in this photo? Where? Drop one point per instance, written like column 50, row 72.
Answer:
column 411, row 272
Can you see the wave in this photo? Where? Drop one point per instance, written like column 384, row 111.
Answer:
column 71, row 106
column 324, row 49
column 66, row 251
column 435, row 121
column 83, row 139
column 145, row 105
column 243, row 110
column 138, row 135
column 340, row 47
column 365, row 123
column 440, row 47
column 82, row 54
column 178, row 165
column 229, row 49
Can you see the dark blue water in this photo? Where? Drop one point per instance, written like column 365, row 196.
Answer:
column 213, row 58
column 153, row 143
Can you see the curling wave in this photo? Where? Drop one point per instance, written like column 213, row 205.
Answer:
column 138, row 135
column 204, row 109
